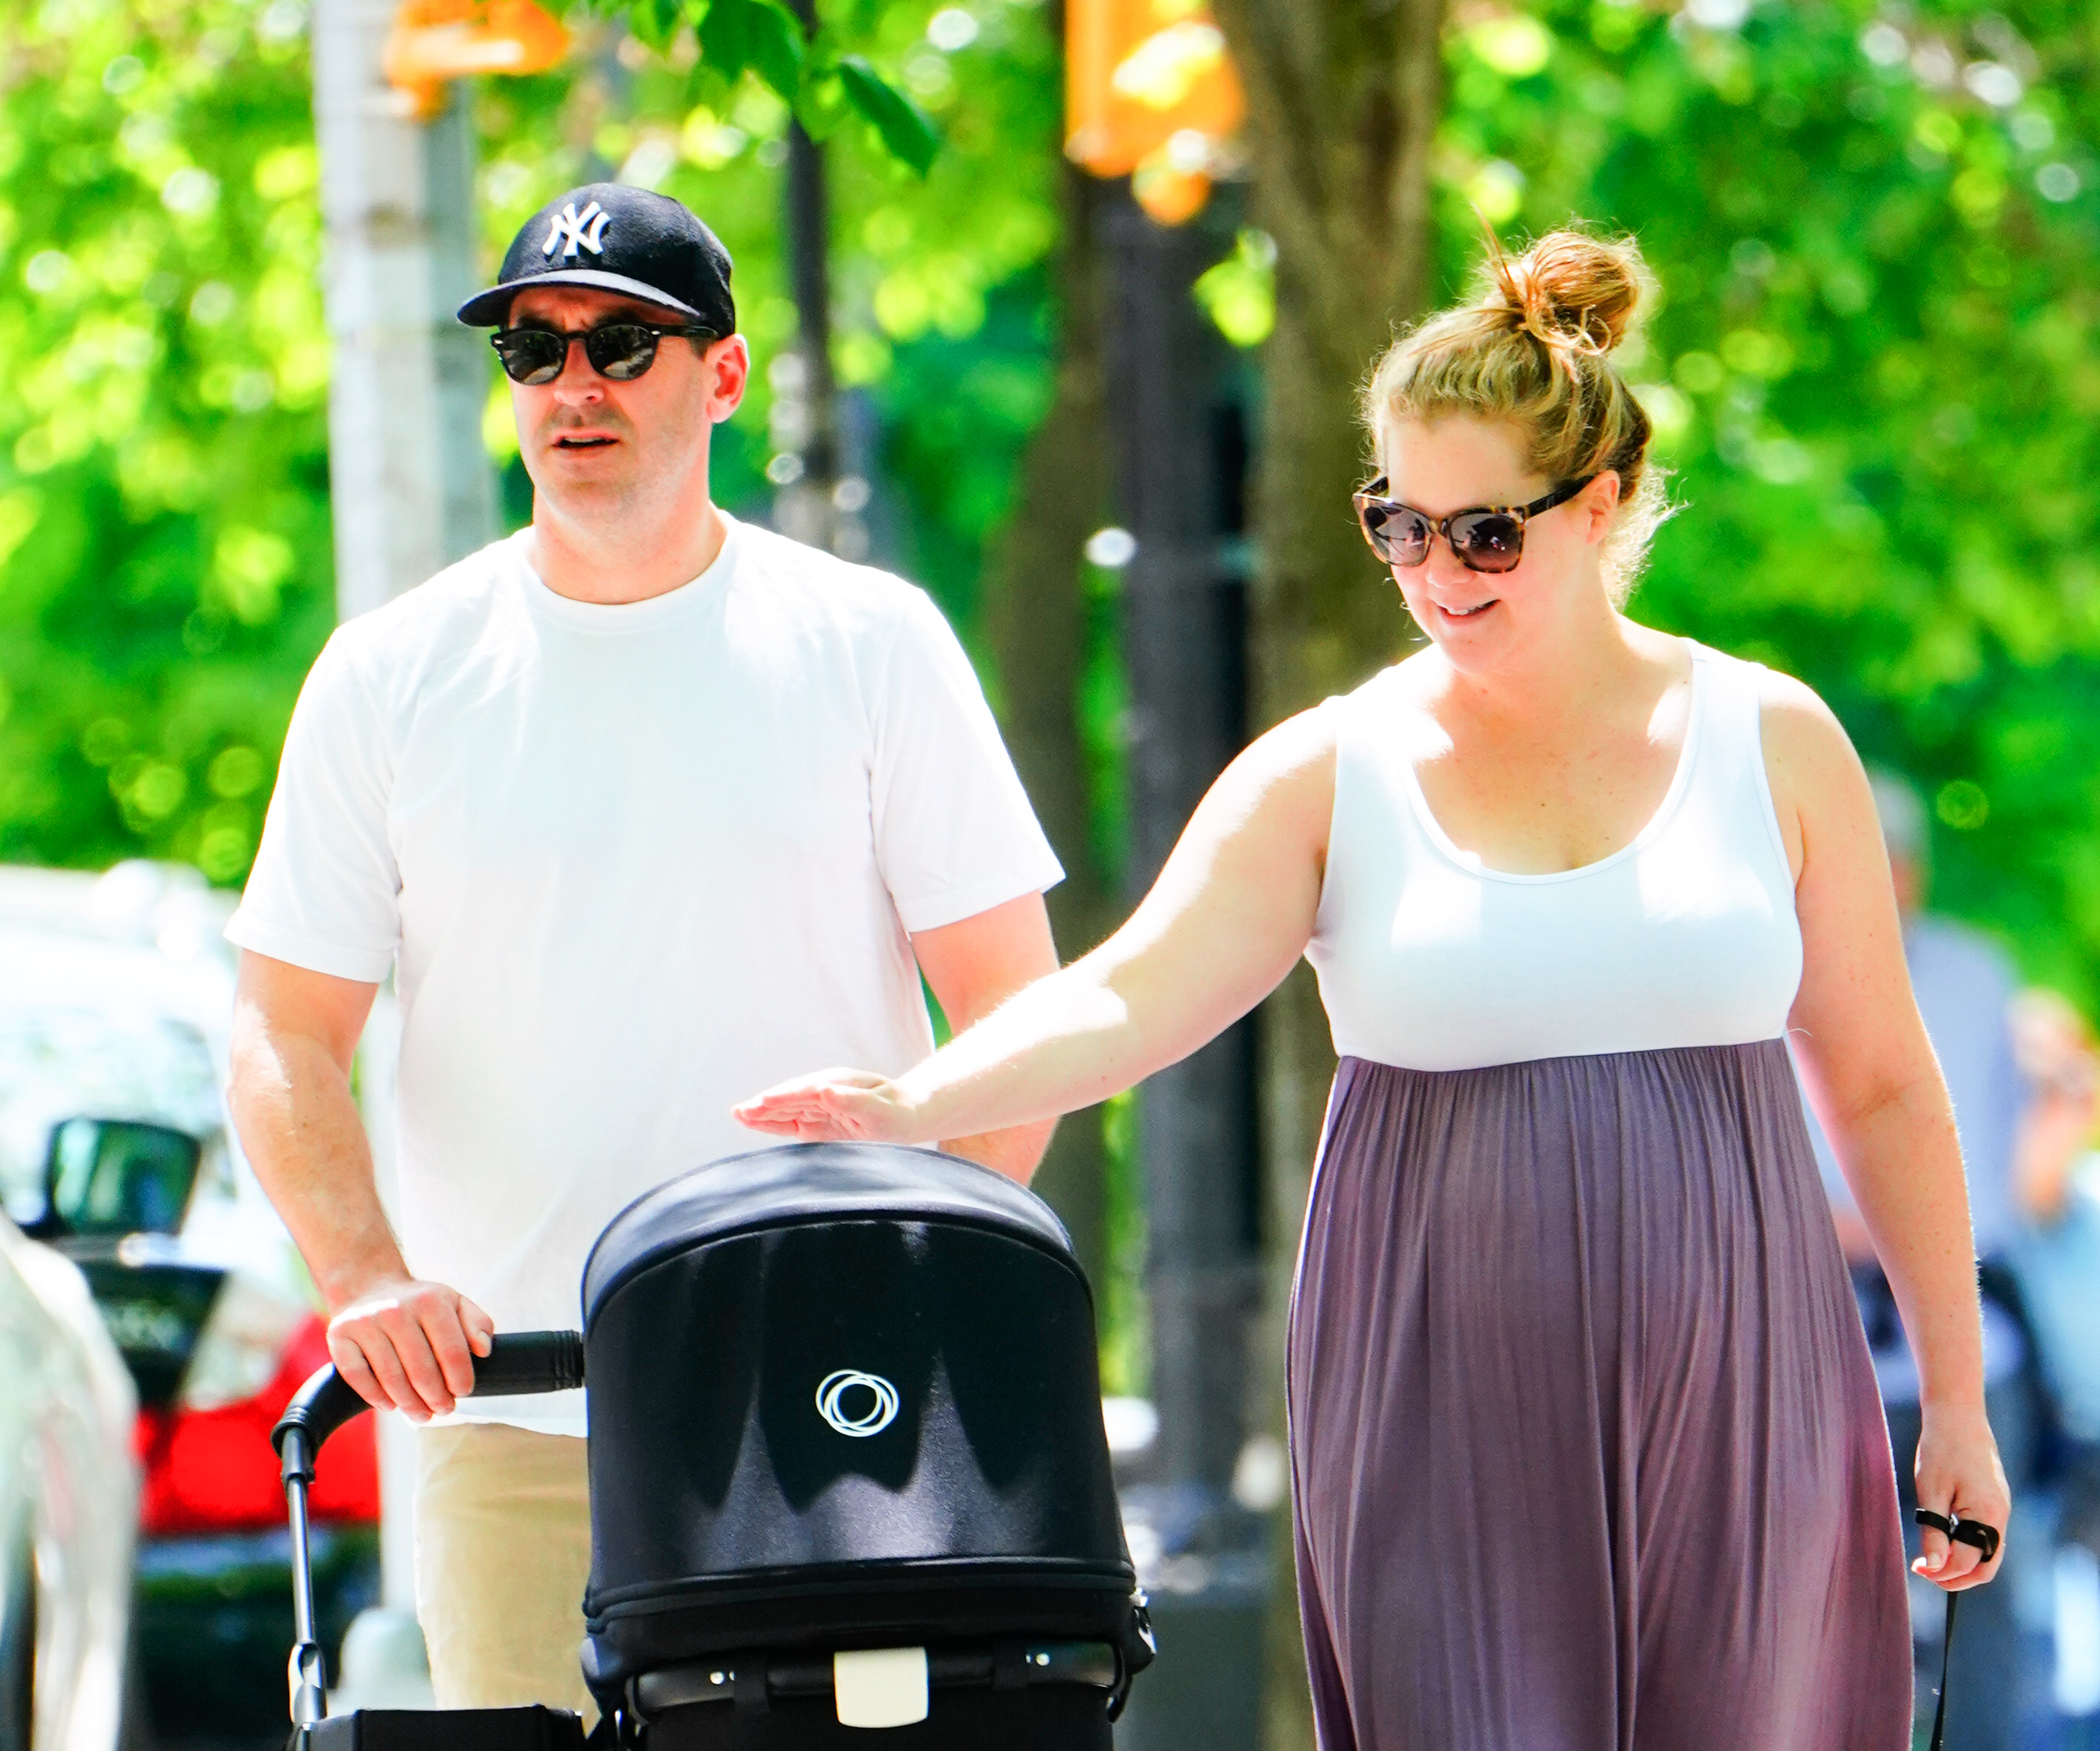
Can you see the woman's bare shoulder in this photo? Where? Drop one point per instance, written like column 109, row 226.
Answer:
column 1818, row 784
column 1306, row 737
column 1299, row 754
column 1280, row 788
column 1291, row 765
column 1798, row 728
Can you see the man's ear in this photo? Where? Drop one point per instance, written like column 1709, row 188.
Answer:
column 728, row 363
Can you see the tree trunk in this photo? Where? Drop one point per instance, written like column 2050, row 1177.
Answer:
column 1035, row 619
column 1343, row 99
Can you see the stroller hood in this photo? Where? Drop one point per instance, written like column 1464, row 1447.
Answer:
column 810, row 1181
column 841, row 1393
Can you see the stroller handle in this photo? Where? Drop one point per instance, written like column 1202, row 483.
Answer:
column 526, row 1361
column 519, row 1362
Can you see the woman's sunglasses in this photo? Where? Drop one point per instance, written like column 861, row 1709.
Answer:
column 621, row 350
column 1488, row 538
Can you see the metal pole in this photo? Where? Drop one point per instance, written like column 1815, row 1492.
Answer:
column 459, row 355
column 1183, row 653
column 307, row 1673
column 809, row 221
column 411, row 485
column 805, row 468
column 409, row 479
column 1180, row 458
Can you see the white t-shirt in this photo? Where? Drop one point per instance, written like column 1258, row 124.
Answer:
column 630, row 864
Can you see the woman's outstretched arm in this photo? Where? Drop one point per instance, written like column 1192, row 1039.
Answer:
column 1877, row 1088
column 1228, row 917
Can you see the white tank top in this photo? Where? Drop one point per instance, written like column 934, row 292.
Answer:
column 1687, row 937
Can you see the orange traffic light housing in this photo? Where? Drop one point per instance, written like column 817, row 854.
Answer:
column 433, row 41
column 1150, row 94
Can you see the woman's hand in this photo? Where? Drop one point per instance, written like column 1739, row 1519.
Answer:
column 1228, row 917
column 1958, row 1473
column 835, row 1106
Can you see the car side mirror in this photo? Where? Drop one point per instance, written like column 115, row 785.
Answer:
column 115, row 1176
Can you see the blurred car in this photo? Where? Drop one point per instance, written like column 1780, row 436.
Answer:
column 116, row 994
column 69, row 1504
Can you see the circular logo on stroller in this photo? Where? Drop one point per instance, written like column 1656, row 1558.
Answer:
column 843, row 1401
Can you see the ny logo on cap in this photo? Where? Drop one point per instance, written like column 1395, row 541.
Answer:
column 586, row 228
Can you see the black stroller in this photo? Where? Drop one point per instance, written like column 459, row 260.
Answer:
column 849, row 1486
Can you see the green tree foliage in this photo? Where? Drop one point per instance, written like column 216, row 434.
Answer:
column 165, row 569
column 1875, row 369
column 163, row 516
column 942, row 327
column 811, row 69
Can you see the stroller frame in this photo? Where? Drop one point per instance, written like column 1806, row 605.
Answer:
column 818, row 1475
column 553, row 1362
column 540, row 1361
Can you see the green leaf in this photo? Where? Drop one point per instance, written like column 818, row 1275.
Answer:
column 754, row 36
column 655, row 22
column 1239, row 294
column 822, row 106
column 901, row 125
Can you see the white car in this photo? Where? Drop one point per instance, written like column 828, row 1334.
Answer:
column 115, row 997
column 68, row 1506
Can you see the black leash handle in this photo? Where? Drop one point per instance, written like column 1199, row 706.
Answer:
column 1985, row 1539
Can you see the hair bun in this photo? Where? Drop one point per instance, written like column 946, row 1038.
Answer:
column 1574, row 292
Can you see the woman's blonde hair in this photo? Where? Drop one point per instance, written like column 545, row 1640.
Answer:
column 1533, row 349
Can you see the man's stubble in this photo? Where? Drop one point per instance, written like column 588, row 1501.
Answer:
column 620, row 504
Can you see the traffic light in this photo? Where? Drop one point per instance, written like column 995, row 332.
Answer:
column 1150, row 94
column 433, row 41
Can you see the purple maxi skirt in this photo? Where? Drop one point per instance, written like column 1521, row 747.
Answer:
column 1587, row 1452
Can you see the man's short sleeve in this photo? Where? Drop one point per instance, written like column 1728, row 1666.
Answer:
column 324, row 892
column 953, row 830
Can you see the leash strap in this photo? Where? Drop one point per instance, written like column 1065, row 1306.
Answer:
column 1985, row 1539
column 1946, row 1648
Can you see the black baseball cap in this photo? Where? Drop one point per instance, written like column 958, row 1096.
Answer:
column 618, row 238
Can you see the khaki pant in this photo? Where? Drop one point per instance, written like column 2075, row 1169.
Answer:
column 502, row 1557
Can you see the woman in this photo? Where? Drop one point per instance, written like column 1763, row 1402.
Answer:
column 1585, row 1445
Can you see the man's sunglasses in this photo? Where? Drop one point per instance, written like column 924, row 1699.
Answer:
column 1488, row 538
column 621, row 350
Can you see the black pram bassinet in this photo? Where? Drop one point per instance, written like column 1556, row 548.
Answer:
column 843, row 1397
column 847, row 1467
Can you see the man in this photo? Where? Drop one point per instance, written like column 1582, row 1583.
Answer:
column 1964, row 983
column 645, row 808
